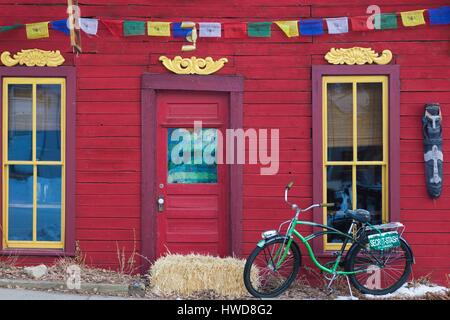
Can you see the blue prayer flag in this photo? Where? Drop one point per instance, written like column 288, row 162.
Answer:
column 60, row 25
column 439, row 15
column 311, row 27
column 179, row 32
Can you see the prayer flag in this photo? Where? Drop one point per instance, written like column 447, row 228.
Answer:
column 133, row 28
column 37, row 30
column 158, row 29
column 386, row 21
column 360, row 23
column 7, row 28
column 210, row 29
column 413, row 18
column 259, row 29
column 290, row 28
column 311, row 27
column 180, row 32
column 89, row 26
column 235, row 30
column 113, row 26
column 60, row 25
column 337, row 25
column 439, row 15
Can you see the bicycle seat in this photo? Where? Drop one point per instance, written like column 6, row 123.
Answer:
column 360, row 215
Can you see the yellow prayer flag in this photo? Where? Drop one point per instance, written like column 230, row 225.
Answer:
column 37, row 30
column 290, row 28
column 158, row 29
column 413, row 18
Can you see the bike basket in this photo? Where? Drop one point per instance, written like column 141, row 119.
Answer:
column 384, row 240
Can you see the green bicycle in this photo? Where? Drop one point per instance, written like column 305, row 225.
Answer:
column 378, row 262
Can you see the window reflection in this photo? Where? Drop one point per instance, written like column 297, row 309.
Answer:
column 340, row 121
column 48, row 122
column 20, row 121
column 339, row 191
column 370, row 121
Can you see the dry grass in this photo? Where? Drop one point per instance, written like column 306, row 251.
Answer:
column 188, row 275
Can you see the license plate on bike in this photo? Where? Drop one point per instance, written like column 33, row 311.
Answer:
column 383, row 241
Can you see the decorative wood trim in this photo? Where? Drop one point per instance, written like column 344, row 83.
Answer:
column 193, row 65
column 151, row 83
column 357, row 55
column 393, row 72
column 32, row 58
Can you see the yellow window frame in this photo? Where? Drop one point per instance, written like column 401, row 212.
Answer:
column 354, row 80
column 34, row 244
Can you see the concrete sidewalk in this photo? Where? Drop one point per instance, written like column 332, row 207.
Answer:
column 20, row 294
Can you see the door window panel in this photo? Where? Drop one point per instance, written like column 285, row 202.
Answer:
column 191, row 156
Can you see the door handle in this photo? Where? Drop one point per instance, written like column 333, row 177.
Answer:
column 160, row 203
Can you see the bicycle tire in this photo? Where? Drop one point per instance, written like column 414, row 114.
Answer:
column 363, row 287
column 255, row 291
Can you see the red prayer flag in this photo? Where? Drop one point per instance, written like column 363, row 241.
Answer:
column 235, row 30
column 114, row 26
column 360, row 23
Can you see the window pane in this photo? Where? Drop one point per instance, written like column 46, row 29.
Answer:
column 339, row 191
column 192, row 156
column 20, row 121
column 340, row 121
column 20, row 203
column 48, row 122
column 369, row 191
column 370, row 121
column 49, row 203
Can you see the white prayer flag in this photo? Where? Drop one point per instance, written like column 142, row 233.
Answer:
column 90, row 26
column 210, row 29
column 337, row 25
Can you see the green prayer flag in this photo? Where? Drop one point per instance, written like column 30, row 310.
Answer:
column 259, row 29
column 387, row 21
column 133, row 28
column 7, row 28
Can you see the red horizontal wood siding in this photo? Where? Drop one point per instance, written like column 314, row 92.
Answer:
column 277, row 74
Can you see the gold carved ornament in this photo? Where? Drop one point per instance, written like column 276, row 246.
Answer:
column 357, row 55
column 32, row 58
column 193, row 65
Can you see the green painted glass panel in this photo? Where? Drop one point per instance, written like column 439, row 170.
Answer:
column 191, row 156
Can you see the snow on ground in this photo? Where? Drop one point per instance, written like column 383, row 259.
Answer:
column 346, row 298
column 410, row 291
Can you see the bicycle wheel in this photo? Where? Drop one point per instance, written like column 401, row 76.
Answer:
column 261, row 278
column 385, row 270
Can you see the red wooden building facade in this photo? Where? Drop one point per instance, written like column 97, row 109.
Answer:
column 120, row 104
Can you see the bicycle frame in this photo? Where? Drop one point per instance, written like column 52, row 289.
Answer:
column 348, row 237
column 328, row 230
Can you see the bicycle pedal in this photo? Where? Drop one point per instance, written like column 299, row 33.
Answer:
column 329, row 291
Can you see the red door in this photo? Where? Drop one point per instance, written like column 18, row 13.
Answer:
column 194, row 215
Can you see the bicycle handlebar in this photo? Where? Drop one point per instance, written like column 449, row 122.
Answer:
column 294, row 206
column 328, row 205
